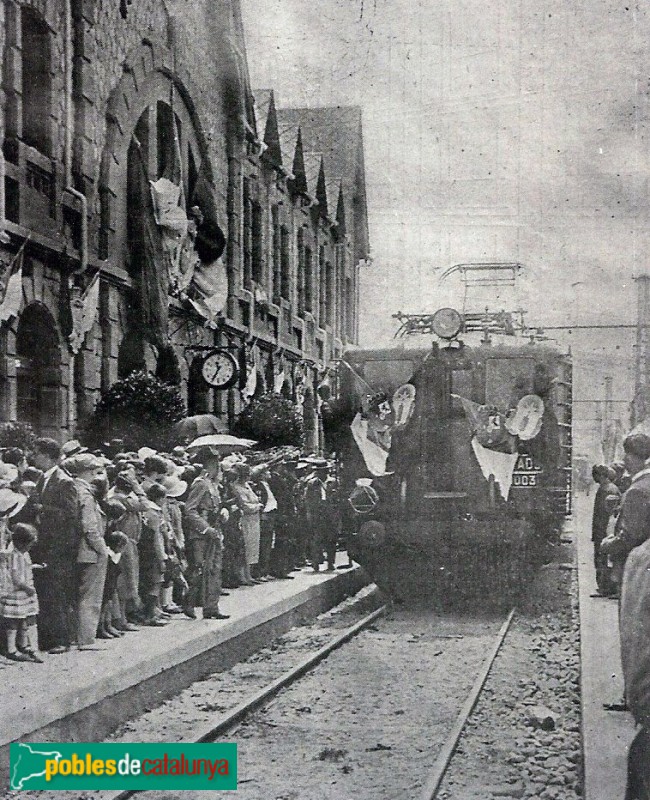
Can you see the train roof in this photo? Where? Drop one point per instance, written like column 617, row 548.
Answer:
column 518, row 349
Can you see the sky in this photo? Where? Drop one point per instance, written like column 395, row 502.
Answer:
column 505, row 130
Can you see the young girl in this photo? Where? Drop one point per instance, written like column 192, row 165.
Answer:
column 19, row 606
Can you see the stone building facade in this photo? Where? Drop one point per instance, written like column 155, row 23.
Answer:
column 97, row 94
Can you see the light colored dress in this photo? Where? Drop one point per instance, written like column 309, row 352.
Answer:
column 16, row 603
column 249, row 506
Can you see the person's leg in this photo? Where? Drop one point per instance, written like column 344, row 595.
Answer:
column 91, row 591
column 212, row 580
column 195, row 549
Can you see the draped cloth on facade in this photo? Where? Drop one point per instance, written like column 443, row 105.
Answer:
column 148, row 255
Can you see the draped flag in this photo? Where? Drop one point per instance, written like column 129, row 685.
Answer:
column 499, row 465
column 278, row 381
column 373, row 454
column 84, row 314
column 209, row 290
column 149, row 254
column 251, row 376
column 488, row 424
column 11, row 286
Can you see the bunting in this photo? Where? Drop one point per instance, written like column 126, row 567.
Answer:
column 84, row 314
column 11, row 286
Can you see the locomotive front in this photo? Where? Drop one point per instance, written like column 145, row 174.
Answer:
column 456, row 472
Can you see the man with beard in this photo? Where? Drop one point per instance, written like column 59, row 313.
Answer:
column 53, row 508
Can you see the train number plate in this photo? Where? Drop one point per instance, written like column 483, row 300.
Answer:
column 526, row 473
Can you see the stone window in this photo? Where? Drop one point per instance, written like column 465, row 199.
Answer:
column 329, row 294
column 300, row 276
column 257, row 243
column 309, row 280
column 285, row 259
column 276, row 273
column 247, row 239
column 36, row 81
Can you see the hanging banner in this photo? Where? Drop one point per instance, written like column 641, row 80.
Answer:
column 499, row 465
column 374, row 455
column 84, row 314
column 278, row 381
column 251, row 375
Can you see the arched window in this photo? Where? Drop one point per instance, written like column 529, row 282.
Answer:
column 38, row 373
column 36, row 81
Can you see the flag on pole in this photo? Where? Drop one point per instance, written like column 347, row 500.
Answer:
column 84, row 314
column 11, row 286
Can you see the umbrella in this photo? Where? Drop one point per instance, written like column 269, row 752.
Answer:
column 222, row 443
column 199, row 425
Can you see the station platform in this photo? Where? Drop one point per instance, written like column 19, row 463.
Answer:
column 606, row 734
column 85, row 695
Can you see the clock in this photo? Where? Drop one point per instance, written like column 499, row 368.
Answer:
column 220, row 369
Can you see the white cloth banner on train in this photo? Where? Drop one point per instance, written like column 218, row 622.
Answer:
column 374, row 455
column 500, row 465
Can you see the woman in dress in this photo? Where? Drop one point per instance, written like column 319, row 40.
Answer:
column 249, row 507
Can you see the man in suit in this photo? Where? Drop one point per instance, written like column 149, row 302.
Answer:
column 92, row 552
column 321, row 515
column 202, row 520
column 54, row 507
column 633, row 524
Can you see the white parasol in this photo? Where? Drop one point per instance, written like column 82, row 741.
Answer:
column 222, row 443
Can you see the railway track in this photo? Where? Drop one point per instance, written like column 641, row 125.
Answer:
column 445, row 752
column 235, row 715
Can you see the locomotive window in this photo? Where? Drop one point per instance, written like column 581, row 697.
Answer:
column 507, row 380
column 387, row 375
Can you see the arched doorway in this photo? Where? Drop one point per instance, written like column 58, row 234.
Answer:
column 38, row 371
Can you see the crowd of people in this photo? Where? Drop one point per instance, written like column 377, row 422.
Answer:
column 94, row 545
column 621, row 536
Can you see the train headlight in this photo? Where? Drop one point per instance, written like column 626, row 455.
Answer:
column 447, row 323
column 372, row 534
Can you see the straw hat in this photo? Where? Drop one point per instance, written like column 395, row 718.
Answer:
column 11, row 502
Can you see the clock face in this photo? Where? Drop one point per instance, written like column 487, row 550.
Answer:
column 219, row 369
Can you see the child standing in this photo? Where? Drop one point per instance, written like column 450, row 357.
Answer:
column 19, row 606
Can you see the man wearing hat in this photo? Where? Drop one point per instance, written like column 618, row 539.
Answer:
column 54, row 508
column 633, row 524
column 321, row 514
column 202, row 517
column 92, row 555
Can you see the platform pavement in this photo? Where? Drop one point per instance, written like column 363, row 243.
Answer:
column 606, row 734
column 83, row 696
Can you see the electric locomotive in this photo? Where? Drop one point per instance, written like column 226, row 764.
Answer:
column 454, row 461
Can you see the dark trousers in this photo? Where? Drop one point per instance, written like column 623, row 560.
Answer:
column 204, row 579
column 322, row 538
column 283, row 553
column 56, row 587
column 267, row 526
column 638, row 767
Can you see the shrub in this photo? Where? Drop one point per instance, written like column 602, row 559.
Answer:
column 140, row 410
column 17, row 434
column 271, row 420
